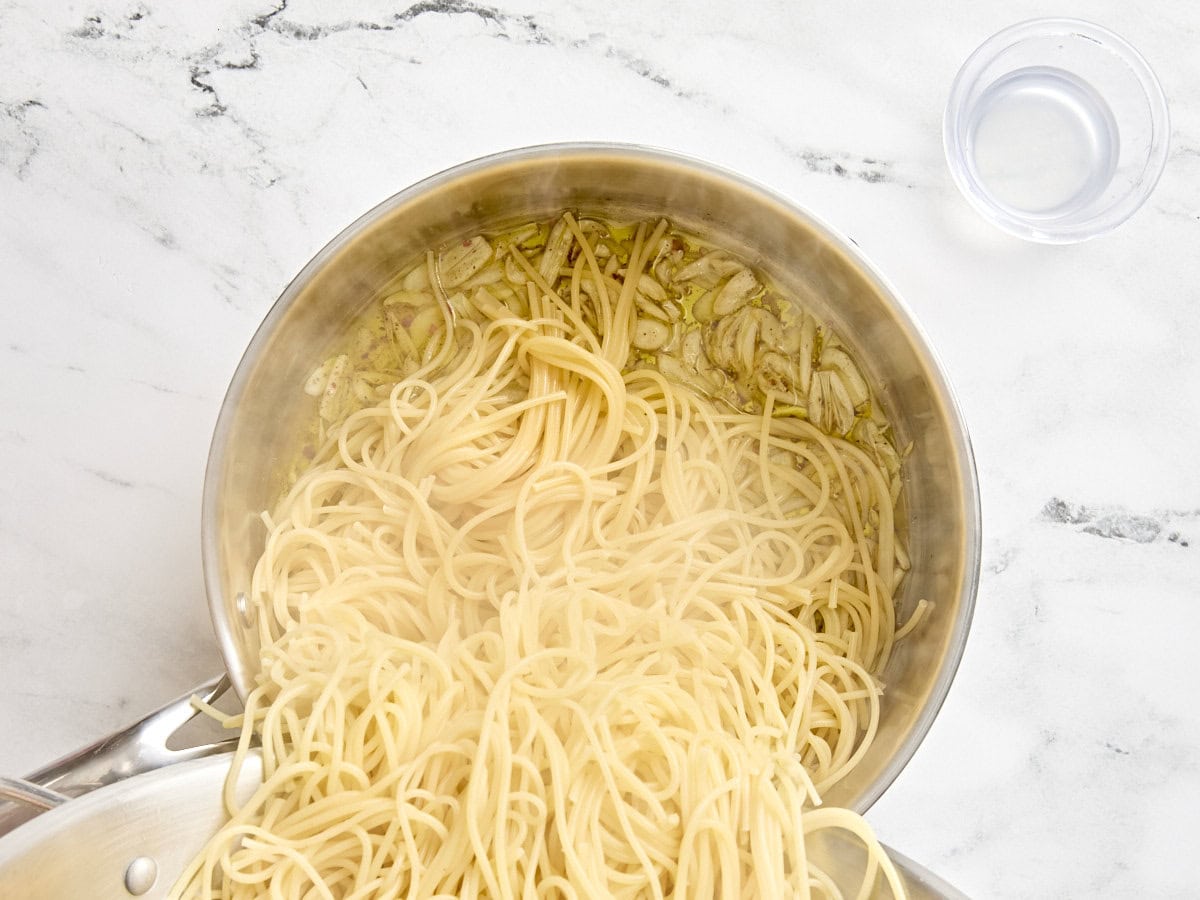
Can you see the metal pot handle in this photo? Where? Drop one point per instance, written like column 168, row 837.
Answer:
column 19, row 790
column 142, row 747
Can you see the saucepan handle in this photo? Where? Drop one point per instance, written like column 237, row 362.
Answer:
column 142, row 747
column 22, row 790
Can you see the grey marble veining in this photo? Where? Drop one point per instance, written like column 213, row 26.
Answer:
column 166, row 168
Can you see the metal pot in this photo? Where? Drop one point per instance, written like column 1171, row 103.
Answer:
column 265, row 410
column 134, row 838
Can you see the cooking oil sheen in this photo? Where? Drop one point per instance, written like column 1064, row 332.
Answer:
column 1043, row 141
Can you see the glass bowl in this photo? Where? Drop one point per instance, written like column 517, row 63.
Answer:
column 1056, row 130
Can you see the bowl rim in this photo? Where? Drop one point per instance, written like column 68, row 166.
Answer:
column 1042, row 230
column 967, row 475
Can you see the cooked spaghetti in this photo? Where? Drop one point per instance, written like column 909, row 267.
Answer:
column 583, row 594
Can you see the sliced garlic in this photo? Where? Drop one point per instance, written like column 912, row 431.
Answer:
column 735, row 293
column 459, row 262
column 558, row 244
column 319, row 378
column 709, row 269
column 650, row 334
column 333, row 397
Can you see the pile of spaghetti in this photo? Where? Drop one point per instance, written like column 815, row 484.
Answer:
column 539, row 620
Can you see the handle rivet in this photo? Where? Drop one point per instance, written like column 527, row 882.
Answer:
column 140, row 875
column 242, row 603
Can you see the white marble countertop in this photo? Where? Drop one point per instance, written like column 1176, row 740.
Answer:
column 165, row 170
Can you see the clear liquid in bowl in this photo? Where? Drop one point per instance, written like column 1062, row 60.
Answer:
column 1042, row 141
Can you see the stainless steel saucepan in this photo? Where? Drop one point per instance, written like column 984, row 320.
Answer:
column 135, row 837
column 265, row 411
